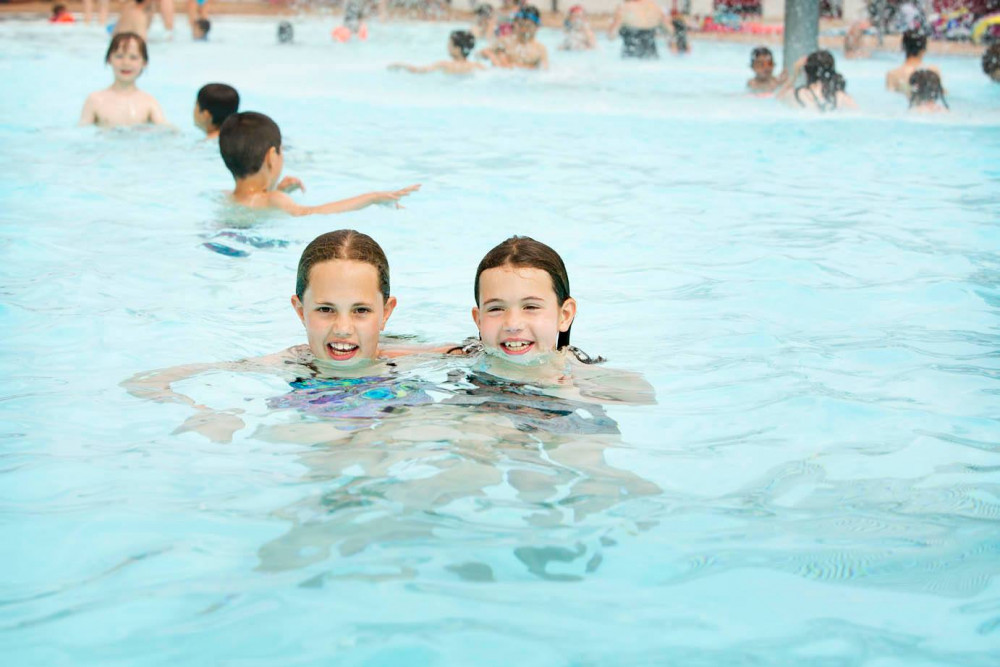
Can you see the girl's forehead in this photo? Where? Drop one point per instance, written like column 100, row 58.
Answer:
column 516, row 279
column 343, row 277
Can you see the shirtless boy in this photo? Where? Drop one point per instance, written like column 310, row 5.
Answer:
column 215, row 103
column 250, row 144
column 914, row 45
column 123, row 103
column 460, row 44
column 521, row 50
column 762, row 64
column 637, row 22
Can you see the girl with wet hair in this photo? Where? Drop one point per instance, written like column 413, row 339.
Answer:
column 825, row 88
column 926, row 92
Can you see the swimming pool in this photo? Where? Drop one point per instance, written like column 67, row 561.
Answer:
column 814, row 299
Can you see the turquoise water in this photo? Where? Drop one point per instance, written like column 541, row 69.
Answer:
column 814, row 299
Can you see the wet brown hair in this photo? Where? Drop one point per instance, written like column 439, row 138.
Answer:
column 121, row 40
column 925, row 86
column 244, row 140
column 525, row 252
column 342, row 244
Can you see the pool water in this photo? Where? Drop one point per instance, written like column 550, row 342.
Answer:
column 816, row 301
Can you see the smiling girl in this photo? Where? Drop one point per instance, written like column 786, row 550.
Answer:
column 123, row 104
column 342, row 299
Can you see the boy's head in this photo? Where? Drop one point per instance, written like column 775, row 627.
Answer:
column 576, row 15
column 991, row 62
column 246, row 141
column 285, row 32
column 914, row 43
column 199, row 30
column 461, row 43
column 58, row 9
column 215, row 103
column 762, row 62
column 125, row 42
column 484, row 13
column 526, row 22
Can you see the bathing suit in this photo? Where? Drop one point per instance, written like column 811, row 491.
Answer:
column 364, row 398
column 531, row 410
column 638, row 42
column 822, row 105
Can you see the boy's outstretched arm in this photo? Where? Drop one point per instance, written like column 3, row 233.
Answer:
column 282, row 201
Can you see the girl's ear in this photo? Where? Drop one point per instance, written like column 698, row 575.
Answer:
column 475, row 316
column 567, row 312
column 390, row 305
column 299, row 308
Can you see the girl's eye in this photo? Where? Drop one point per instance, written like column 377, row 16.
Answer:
column 362, row 311
column 324, row 309
column 494, row 309
column 531, row 306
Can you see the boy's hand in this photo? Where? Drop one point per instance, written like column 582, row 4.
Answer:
column 290, row 183
column 386, row 198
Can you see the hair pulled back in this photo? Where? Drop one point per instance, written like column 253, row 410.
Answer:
column 342, row 244
column 527, row 253
column 820, row 66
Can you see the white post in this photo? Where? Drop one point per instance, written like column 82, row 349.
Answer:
column 855, row 10
column 773, row 10
column 702, row 7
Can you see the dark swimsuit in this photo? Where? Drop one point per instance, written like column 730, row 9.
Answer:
column 638, row 42
column 823, row 105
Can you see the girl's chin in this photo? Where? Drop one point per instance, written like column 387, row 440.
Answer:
column 357, row 361
column 532, row 358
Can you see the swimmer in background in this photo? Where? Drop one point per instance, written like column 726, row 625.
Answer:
column 579, row 35
column 102, row 12
column 61, row 15
column 197, row 11
column 926, row 93
column 286, row 33
column 342, row 297
column 460, row 45
column 485, row 25
column 637, row 22
column 914, row 45
column 354, row 22
column 524, row 314
column 250, row 144
column 522, row 51
column 991, row 63
column 123, row 104
column 134, row 17
column 679, row 40
column 854, row 41
column 214, row 104
column 762, row 63
column 825, row 89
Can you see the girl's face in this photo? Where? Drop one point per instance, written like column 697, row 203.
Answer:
column 343, row 311
column 127, row 62
column 518, row 315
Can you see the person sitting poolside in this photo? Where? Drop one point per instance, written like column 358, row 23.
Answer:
column 926, row 93
column 215, row 103
column 824, row 90
column 762, row 63
column 579, row 36
column 991, row 63
column 250, row 144
column 123, row 103
column 523, row 50
column 460, row 45
column 637, row 22
column 914, row 45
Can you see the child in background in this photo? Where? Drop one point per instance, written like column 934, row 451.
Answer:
column 214, row 104
column 485, row 26
column 991, row 63
column 926, row 93
column 522, row 50
column 123, row 103
column 199, row 30
column 460, row 45
column 914, row 45
column 135, row 17
column 250, row 144
column 762, row 63
column 579, row 36
column 354, row 22
column 679, row 40
column 61, row 15
column 825, row 89
column 286, row 33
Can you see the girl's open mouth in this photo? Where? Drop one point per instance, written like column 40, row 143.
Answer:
column 341, row 351
column 516, row 346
